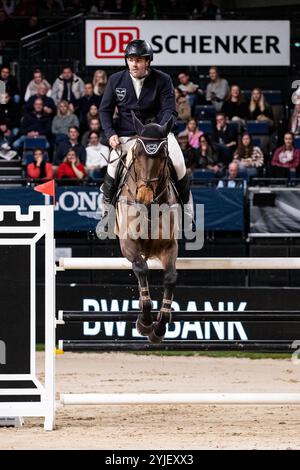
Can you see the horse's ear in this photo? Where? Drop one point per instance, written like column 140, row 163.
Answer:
column 168, row 126
column 138, row 125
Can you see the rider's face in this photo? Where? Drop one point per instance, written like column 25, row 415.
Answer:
column 137, row 66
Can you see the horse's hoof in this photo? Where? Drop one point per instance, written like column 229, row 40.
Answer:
column 143, row 329
column 157, row 334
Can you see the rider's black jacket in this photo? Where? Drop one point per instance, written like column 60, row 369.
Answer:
column 155, row 104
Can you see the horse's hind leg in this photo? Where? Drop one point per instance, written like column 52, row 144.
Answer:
column 144, row 322
column 168, row 259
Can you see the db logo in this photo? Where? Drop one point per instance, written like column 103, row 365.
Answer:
column 110, row 42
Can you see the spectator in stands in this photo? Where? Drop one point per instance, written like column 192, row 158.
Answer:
column 188, row 151
column 32, row 87
column 207, row 157
column 286, row 159
column 294, row 124
column 95, row 125
column 34, row 124
column 93, row 113
column 144, row 10
column 189, row 88
column 62, row 122
column 259, row 109
column 183, row 106
column 71, row 167
column 68, row 87
column 99, row 82
column 11, row 85
column 42, row 93
column 235, row 107
column 10, row 114
column 6, row 135
column 248, row 157
column 71, row 143
column 225, row 138
column 194, row 133
column 231, row 178
column 96, row 156
column 40, row 168
column 85, row 103
column 217, row 89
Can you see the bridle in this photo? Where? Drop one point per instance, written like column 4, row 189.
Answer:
column 152, row 149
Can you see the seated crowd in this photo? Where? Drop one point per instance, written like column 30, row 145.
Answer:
column 57, row 132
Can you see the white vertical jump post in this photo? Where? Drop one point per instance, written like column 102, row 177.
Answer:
column 21, row 392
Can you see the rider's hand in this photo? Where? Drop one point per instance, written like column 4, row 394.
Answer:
column 114, row 141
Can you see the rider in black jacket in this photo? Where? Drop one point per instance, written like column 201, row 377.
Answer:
column 150, row 94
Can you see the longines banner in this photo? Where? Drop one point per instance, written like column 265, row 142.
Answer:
column 191, row 42
column 77, row 207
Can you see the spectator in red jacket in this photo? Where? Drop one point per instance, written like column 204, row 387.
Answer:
column 71, row 167
column 39, row 169
column 286, row 159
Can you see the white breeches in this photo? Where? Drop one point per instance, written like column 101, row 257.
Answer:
column 174, row 152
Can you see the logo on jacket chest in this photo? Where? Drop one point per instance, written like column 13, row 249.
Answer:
column 121, row 93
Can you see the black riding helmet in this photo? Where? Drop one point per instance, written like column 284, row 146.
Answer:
column 138, row 48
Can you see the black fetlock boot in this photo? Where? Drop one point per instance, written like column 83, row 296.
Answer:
column 109, row 190
column 186, row 199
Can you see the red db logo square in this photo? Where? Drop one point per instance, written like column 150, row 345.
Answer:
column 110, row 42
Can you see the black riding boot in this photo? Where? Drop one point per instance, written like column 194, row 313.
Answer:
column 185, row 197
column 109, row 190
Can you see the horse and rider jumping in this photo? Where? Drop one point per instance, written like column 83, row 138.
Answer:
column 145, row 102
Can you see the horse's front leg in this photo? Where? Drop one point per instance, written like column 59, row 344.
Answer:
column 144, row 323
column 168, row 260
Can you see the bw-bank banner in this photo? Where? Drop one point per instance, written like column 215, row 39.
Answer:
column 191, row 42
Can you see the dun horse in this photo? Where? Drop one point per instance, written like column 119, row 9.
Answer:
column 147, row 182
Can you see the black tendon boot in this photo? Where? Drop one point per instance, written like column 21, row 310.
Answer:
column 109, row 190
column 185, row 197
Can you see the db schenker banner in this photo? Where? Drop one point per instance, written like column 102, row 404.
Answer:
column 191, row 42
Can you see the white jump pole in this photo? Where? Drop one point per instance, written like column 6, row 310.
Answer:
column 179, row 398
column 183, row 263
